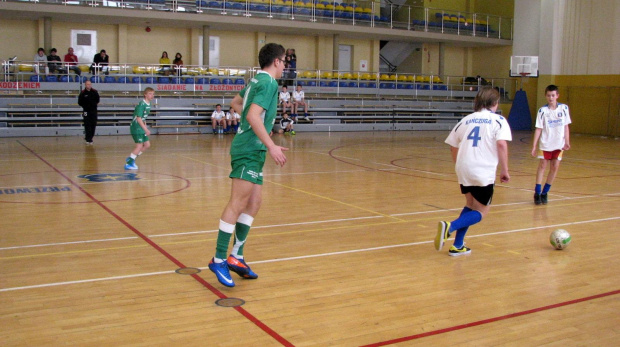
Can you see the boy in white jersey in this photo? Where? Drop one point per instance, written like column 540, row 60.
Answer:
column 258, row 105
column 218, row 118
column 285, row 98
column 479, row 142
column 552, row 130
column 232, row 119
column 299, row 101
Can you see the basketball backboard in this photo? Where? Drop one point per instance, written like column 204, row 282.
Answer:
column 523, row 66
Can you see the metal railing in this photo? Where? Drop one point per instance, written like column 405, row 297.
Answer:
column 364, row 13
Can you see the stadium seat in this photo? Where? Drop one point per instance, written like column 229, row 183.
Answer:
column 109, row 79
column 363, row 85
column 240, row 81
column 352, row 84
column 65, row 78
column 150, row 80
column 323, row 84
column 311, row 83
column 37, row 78
column 215, row 81
column 343, row 84
column 301, row 83
column 176, row 80
column 163, row 80
column 51, row 79
column 95, row 79
column 135, row 80
column 189, row 80
column 227, row 81
column 202, row 80
column 372, row 85
column 333, row 84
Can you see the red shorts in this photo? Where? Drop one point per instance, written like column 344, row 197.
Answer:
column 550, row 155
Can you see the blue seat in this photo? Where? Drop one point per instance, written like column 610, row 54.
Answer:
column 410, row 86
column 150, row 80
column 215, row 4
column 423, row 87
column 215, row 81
column 51, row 79
column 301, row 83
column 95, row 79
column 65, row 78
column 333, row 83
column 201, row 3
column 135, row 80
column 372, row 85
column 123, row 79
column 176, row 80
column 240, row 81
column 352, row 84
column 363, row 85
column 323, row 84
column 189, row 80
column 401, row 86
column 311, row 83
column 109, row 79
column 37, row 78
column 343, row 84
column 202, row 80
column 227, row 81
column 440, row 87
column 163, row 80
column 237, row 6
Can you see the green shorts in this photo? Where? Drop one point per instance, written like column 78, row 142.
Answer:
column 140, row 138
column 248, row 166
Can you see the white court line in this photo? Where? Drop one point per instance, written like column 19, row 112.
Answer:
column 272, row 226
column 289, row 224
column 302, row 257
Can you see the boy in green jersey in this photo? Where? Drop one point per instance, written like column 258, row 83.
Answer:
column 138, row 129
column 257, row 103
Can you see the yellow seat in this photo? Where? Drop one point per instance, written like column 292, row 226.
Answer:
column 436, row 79
column 135, row 69
column 329, row 7
column 84, row 68
column 367, row 10
column 426, row 79
column 359, row 10
column 410, row 78
column 419, row 78
column 384, row 77
column 347, row 76
column 320, row 6
column 336, row 75
column 355, row 76
column 391, row 77
column 211, row 72
column 366, row 76
column 327, row 75
column 26, row 67
column 402, row 78
column 348, row 8
column 340, row 8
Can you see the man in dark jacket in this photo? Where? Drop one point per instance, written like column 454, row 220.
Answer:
column 100, row 62
column 88, row 99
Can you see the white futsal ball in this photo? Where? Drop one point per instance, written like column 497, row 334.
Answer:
column 559, row 238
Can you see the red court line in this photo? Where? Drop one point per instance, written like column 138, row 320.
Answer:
column 490, row 320
column 178, row 263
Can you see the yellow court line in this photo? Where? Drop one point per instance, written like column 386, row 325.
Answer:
column 308, row 193
column 336, row 201
column 513, row 252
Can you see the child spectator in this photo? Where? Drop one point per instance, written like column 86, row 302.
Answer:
column 285, row 98
column 178, row 63
column 299, row 100
column 164, row 63
column 286, row 124
column 232, row 118
column 40, row 62
column 552, row 123
column 218, row 118
column 54, row 63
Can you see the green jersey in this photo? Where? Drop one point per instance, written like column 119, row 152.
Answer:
column 262, row 91
column 142, row 110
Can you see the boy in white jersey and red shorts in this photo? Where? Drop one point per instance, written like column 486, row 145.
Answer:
column 478, row 143
column 552, row 130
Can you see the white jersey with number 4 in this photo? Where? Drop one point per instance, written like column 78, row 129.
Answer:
column 552, row 123
column 476, row 138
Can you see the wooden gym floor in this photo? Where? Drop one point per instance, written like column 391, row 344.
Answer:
column 342, row 245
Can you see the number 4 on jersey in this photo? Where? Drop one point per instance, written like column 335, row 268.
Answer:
column 474, row 135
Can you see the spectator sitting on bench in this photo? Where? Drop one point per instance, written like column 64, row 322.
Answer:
column 299, row 101
column 54, row 63
column 232, row 118
column 100, row 62
column 218, row 118
column 71, row 61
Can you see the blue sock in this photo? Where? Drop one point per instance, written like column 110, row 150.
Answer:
column 460, row 233
column 546, row 188
column 466, row 219
column 537, row 189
